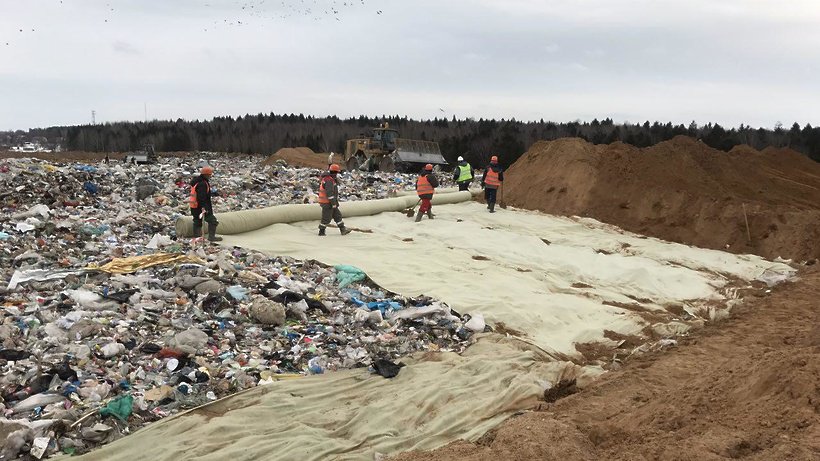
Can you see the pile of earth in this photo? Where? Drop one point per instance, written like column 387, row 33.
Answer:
column 300, row 157
column 680, row 190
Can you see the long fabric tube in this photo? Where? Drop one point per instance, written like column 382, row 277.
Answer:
column 239, row 222
column 439, row 191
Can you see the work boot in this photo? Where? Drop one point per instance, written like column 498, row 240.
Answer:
column 492, row 207
column 418, row 216
column 197, row 231
column 322, row 231
column 430, row 214
column 212, row 234
column 344, row 230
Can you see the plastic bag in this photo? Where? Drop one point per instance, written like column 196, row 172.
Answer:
column 347, row 275
column 120, row 407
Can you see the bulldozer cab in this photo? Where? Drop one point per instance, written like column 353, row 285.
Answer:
column 385, row 138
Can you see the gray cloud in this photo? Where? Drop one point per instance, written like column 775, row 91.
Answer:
column 732, row 62
column 126, row 48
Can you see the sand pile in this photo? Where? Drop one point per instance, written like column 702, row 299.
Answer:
column 680, row 190
column 299, row 156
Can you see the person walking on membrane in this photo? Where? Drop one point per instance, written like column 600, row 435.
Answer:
column 329, row 200
column 200, row 203
column 491, row 181
column 425, row 188
column 463, row 174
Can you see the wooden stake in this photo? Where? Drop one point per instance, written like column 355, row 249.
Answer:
column 746, row 218
column 83, row 418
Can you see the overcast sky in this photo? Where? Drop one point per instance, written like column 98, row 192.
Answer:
column 728, row 61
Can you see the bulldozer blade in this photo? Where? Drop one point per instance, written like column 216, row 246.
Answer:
column 387, row 165
column 418, row 152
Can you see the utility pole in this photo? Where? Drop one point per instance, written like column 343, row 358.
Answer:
column 93, row 117
column 146, row 112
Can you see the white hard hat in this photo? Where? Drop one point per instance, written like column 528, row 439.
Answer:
column 460, row 158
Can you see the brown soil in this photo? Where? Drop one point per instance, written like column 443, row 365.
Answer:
column 747, row 388
column 300, row 157
column 679, row 190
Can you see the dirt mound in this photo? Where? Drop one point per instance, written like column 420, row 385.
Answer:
column 299, row 156
column 679, row 190
column 746, row 388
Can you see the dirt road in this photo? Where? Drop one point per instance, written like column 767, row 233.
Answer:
column 747, row 388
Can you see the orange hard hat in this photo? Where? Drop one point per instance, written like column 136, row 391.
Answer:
column 206, row 170
column 494, row 159
column 335, row 168
column 428, row 167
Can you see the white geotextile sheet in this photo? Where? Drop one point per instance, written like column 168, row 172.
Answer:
column 352, row 414
column 439, row 397
column 525, row 283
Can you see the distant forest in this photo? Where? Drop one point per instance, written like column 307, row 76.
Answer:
column 474, row 139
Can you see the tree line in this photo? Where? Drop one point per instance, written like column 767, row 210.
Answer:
column 476, row 140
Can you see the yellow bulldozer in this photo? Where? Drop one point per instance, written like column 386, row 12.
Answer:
column 384, row 151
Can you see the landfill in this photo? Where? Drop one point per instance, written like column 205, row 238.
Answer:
column 110, row 322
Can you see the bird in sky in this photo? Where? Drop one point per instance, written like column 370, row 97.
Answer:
column 258, row 12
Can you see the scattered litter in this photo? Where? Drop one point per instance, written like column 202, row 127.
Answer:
column 476, row 323
column 110, row 322
column 387, row 368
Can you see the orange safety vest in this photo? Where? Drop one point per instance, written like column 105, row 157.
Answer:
column 322, row 192
column 423, row 186
column 193, row 200
column 492, row 178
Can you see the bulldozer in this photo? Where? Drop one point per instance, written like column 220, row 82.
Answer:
column 384, row 151
column 144, row 156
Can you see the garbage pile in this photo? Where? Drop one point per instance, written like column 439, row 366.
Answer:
column 241, row 183
column 110, row 323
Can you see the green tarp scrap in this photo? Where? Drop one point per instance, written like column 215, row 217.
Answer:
column 347, row 275
column 120, row 407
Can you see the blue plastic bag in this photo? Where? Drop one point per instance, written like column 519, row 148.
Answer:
column 86, row 168
column 383, row 306
column 90, row 187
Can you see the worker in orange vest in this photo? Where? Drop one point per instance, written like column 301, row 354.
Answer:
column 200, row 202
column 491, row 181
column 425, row 188
column 329, row 200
